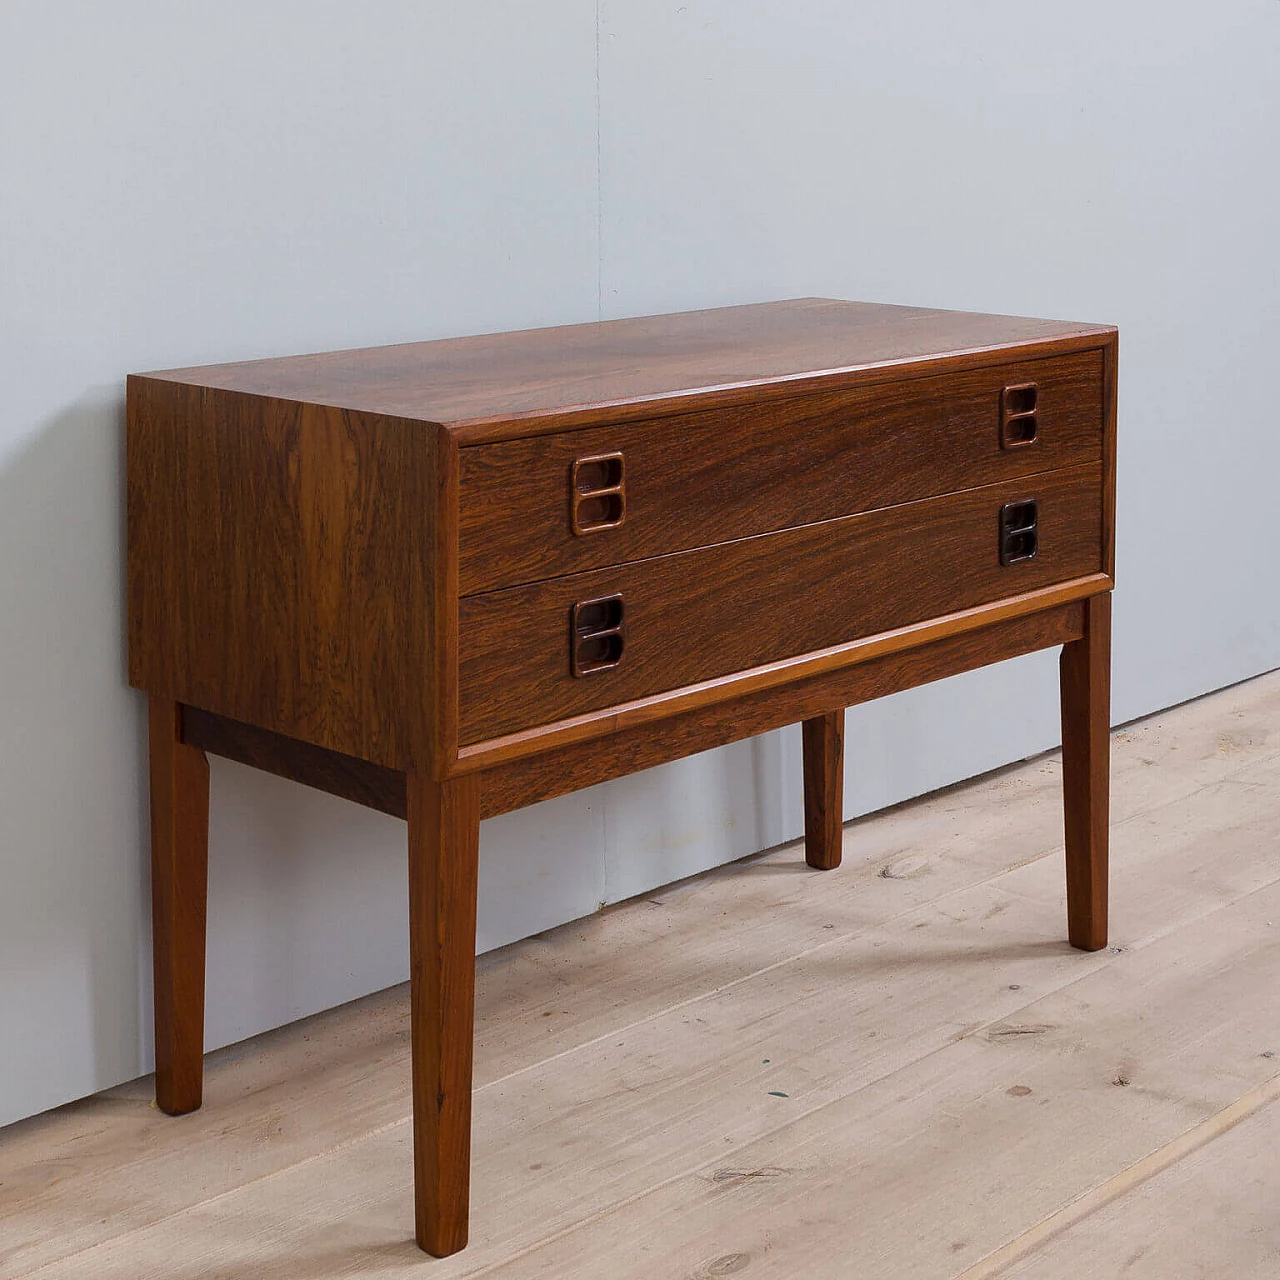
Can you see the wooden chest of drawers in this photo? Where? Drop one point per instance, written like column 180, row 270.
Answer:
column 449, row 579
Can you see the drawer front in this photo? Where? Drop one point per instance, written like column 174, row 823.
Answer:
column 542, row 506
column 547, row 651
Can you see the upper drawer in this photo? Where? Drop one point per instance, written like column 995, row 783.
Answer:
column 701, row 478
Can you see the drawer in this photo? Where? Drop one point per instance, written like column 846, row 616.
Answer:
column 669, row 484
column 678, row 619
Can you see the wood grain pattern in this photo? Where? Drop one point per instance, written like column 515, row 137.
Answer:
column 372, row 785
column 697, row 479
column 296, row 1103
column 549, row 773
column 444, row 837
column 916, row 1170
column 437, row 720
column 526, row 779
column 1203, row 1204
column 822, row 744
column 179, row 889
column 773, row 677
column 497, row 386
column 355, row 570
column 1110, row 386
column 1086, row 773
column 282, row 565
column 700, row 614
column 112, row 1170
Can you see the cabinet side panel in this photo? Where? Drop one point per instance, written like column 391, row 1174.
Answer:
column 281, row 566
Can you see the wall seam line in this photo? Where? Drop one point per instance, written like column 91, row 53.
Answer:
column 599, row 186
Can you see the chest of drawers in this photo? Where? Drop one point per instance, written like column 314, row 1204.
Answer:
column 449, row 579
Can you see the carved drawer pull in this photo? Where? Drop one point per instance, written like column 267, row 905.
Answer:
column 596, row 635
column 1019, row 425
column 598, row 493
column 1019, row 531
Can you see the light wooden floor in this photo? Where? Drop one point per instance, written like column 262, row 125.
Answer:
column 896, row 1069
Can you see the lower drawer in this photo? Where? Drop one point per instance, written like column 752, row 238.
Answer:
column 546, row 651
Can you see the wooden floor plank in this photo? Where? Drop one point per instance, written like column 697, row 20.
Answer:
column 287, row 1098
column 1210, row 1215
column 886, row 1022
column 934, row 1166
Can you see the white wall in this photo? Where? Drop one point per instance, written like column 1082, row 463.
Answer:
column 188, row 183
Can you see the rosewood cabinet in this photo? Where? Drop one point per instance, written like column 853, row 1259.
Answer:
column 448, row 579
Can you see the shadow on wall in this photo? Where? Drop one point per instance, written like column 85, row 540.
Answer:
column 71, row 854
column 307, row 897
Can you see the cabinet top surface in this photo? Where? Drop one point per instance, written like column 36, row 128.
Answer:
column 493, row 385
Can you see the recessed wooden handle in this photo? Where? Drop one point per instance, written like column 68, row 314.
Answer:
column 598, row 493
column 596, row 636
column 1019, row 424
column 1019, row 531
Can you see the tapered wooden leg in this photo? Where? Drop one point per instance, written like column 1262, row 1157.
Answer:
column 179, row 880
column 1086, row 768
column 444, row 842
column 823, row 745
